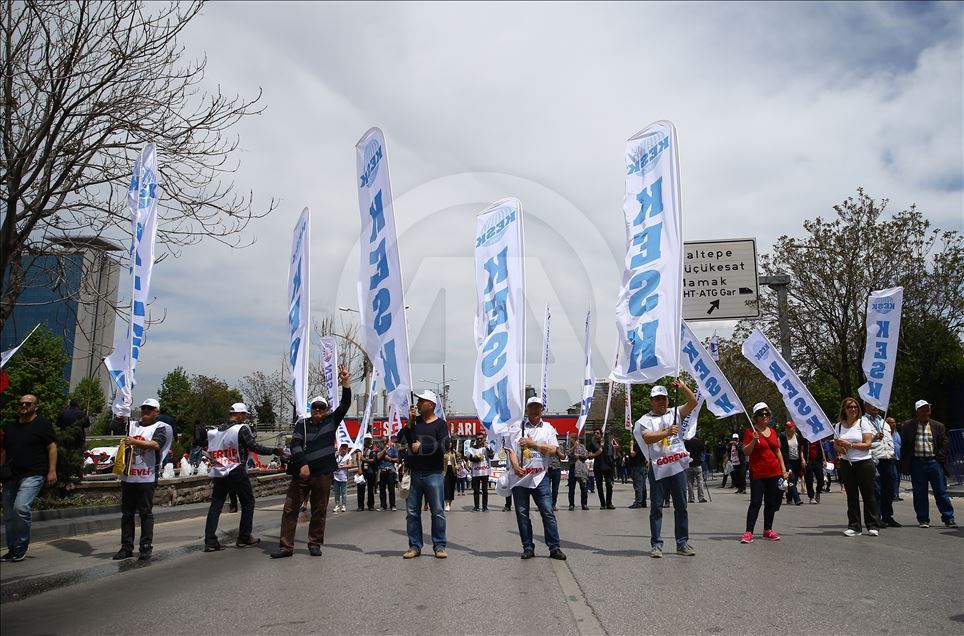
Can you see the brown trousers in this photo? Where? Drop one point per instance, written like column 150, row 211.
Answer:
column 316, row 490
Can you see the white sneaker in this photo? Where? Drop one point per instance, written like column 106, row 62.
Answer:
column 448, row 507
column 851, row 533
column 873, row 533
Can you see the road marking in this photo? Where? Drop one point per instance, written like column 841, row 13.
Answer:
column 586, row 620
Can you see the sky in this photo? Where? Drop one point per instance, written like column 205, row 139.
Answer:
column 782, row 110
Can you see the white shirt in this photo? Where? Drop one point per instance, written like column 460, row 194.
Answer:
column 341, row 474
column 880, row 448
column 533, row 462
column 855, row 434
column 793, row 445
column 654, row 424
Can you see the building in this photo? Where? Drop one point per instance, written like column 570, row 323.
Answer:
column 72, row 289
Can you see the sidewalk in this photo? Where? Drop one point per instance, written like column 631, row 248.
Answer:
column 86, row 555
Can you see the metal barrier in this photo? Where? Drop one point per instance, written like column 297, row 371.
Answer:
column 955, row 455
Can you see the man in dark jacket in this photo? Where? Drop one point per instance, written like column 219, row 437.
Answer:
column 74, row 418
column 636, row 462
column 312, row 466
column 923, row 456
column 228, row 447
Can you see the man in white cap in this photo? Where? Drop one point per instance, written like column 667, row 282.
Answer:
column 529, row 450
column 738, row 462
column 924, row 457
column 144, row 443
column 312, row 470
column 427, row 437
column 227, row 446
column 653, row 432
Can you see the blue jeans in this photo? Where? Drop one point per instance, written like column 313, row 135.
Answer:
column 674, row 487
column 922, row 472
column 18, row 498
column 340, row 489
column 542, row 495
column 638, row 474
column 431, row 486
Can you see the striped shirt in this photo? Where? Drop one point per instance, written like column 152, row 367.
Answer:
column 924, row 442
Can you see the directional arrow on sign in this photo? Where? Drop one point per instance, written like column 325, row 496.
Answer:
column 713, row 305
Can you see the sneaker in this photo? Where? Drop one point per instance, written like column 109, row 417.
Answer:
column 798, row 503
column 557, row 554
column 685, row 550
column 950, row 523
column 571, row 508
column 812, row 501
column 411, row 553
column 13, row 557
column 144, row 555
column 393, row 508
column 923, row 524
column 123, row 554
column 817, row 499
column 486, row 509
column 656, row 553
column 247, row 543
column 851, row 533
column 747, row 537
column 314, row 550
column 771, row 535
column 447, row 507
column 214, row 547
column 441, row 554
column 528, row 553
column 892, row 523
column 281, row 554
column 506, row 509
column 873, row 532
column 475, row 509
column 585, row 507
column 610, row 507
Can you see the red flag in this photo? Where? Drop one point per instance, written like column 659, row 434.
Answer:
column 4, row 380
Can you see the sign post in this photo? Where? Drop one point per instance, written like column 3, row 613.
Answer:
column 720, row 280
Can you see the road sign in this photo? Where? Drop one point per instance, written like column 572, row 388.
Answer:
column 719, row 280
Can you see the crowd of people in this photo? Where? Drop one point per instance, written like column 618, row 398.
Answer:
column 865, row 455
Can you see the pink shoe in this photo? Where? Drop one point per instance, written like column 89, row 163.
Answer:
column 771, row 535
column 748, row 537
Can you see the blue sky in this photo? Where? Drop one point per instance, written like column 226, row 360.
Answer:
column 782, row 109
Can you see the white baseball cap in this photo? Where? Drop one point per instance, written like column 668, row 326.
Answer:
column 428, row 396
column 658, row 390
column 759, row 406
column 317, row 399
column 152, row 403
column 921, row 403
column 238, row 407
column 735, row 436
column 534, row 400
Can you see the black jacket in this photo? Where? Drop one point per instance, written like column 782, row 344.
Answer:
column 314, row 444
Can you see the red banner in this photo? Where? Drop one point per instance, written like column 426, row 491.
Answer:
column 465, row 426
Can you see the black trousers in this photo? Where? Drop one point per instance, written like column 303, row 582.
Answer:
column 739, row 477
column 604, row 478
column 139, row 499
column 555, row 478
column 858, row 478
column 236, row 483
column 371, row 480
column 764, row 491
column 480, row 485
column 814, row 469
column 386, row 482
column 584, row 494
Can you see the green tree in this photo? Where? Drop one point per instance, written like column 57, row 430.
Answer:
column 174, row 394
column 38, row 369
column 90, row 396
column 210, row 400
column 265, row 412
column 835, row 265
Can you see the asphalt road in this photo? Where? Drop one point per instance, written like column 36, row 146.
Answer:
column 816, row 580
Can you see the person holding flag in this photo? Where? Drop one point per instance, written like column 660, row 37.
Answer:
column 312, row 467
column 528, row 451
column 652, row 432
column 761, row 444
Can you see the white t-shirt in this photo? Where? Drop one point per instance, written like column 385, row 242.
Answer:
column 534, row 463
column 855, row 434
column 793, row 445
column 341, row 473
column 654, row 424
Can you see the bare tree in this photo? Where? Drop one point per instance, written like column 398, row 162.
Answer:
column 85, row 86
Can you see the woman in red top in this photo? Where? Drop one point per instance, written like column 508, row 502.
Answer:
column 762, row 446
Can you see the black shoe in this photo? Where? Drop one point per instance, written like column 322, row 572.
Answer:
column 506, row 509
column 634, row 506
column 486, row 509
column 585, row 507
column 13, row 557
column 528, row 554
column 892, row 523
column 314, row 550
column 281, row 554
column 475, row 509
column 232, row 508
column 215, row 547
column 557, row 554
column 642, row 505
column 247, row 543
column 571, row 508
column 123, row 554
column 610, row 507
column 359, row 509
column 144, row 555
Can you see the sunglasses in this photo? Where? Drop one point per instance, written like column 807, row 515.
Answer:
column 763, row 414
column 27, row 403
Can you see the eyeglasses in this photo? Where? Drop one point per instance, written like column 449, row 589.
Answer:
column 853, row 406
